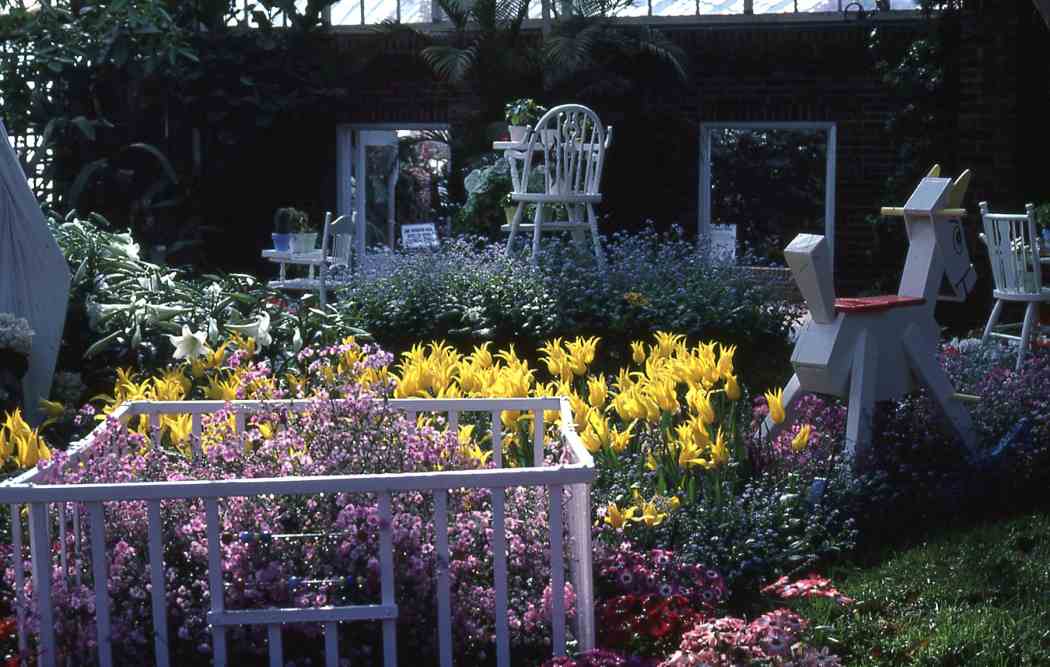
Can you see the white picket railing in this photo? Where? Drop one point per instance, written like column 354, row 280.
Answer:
column 576, row 476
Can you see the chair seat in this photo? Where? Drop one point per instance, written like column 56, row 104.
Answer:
column 541, row 198
column 1042, row 295
column 563, row 226
column 304, row 284
column 868, row 304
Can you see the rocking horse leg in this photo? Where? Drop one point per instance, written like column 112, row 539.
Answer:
column 792, row 392
column 922, row 356
column 863, row 376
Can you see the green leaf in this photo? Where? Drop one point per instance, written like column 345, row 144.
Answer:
column 100, row 345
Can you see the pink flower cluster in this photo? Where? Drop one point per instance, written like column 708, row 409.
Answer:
column 771, row 639
column 813, row 585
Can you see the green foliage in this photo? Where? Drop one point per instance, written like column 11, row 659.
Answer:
column 487, row 186
column 524, row 111
column 144, row 107
column 471, row 292
column 1042, row 216
column 122, row 309
column 964, row 596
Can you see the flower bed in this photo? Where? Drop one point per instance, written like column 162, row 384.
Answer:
column 310, row 513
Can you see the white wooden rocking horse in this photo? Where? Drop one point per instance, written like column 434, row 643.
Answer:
column 878, row 348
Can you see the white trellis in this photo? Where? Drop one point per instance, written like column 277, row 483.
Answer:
column 48, row 505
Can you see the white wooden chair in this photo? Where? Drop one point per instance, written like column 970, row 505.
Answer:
column 568, row 148
column 1013, row 249
column 336, row 246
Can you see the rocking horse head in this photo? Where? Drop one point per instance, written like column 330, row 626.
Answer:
column 938, row 266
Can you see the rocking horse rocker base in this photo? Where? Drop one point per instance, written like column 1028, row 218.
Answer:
column 882, row 348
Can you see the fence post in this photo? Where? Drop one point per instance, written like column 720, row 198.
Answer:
column 40, row 548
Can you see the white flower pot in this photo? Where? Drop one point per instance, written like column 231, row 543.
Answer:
column 303, row 243
column 518, row 132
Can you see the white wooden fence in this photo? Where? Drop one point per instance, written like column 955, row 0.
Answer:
column 48, row 505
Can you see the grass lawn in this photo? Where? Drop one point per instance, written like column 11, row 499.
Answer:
column 978, row 595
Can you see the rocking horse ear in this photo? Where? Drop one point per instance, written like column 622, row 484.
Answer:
column 934, row 172
column 958, row 191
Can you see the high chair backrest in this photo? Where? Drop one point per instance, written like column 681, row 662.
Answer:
column 569, row 144
column 1013, row 250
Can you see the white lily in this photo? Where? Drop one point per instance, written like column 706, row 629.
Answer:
column 190, row 344
column 259, row 329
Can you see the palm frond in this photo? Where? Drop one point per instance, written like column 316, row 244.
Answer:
column 457, row 11
column 571, row 52
column 451, row 63
column 657, row 45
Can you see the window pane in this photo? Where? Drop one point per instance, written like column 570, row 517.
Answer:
column 788, row 6
column 721, row 6
column 674, row 7
column 346, row 12
column 637, row 8
column 770, row 184
column 377, row 11
column 415, row 11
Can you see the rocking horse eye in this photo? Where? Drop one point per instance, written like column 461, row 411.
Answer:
column 957, row 238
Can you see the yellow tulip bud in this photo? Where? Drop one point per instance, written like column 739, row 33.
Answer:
column 638, row 352
column 732, row 388
column 801, row 439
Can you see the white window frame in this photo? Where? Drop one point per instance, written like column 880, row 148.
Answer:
column 706, row 132
column 350, row 161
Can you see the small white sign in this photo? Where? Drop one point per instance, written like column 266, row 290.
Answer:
column 723, row 241
column 419, row 236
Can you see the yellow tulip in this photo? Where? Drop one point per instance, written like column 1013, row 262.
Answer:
column 700, row 403
column 776, row 405
column 732, row 388
column 667, row 344
column 481, row 357
column 719, row 451
column 223, row 390
column 638, row 352
column 26, row 444
column 801, row 439
column 591, row 441
column 597, row 392
column 664, row 393
column 180, row 427
column 619, row 440
column 650, row 461
column 469, row 448
column 651, row 515
column 725, row 360
column 266, row 430
column 619, row 518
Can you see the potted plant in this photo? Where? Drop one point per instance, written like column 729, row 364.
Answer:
column 521, row 115
column 282, row 229
column 304, row 237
